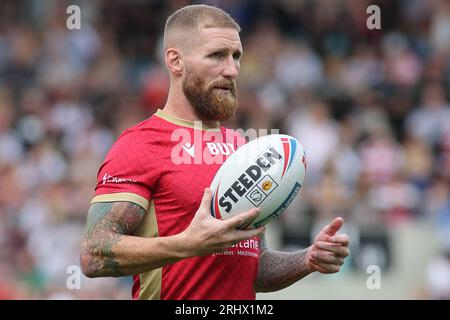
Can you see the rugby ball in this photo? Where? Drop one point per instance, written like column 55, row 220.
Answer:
column 266, row 173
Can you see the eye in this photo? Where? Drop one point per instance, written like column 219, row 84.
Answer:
column 218, row 55
column 237, row 56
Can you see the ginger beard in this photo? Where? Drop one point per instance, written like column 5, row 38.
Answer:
column 210, row 103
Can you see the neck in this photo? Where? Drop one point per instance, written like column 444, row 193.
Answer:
column 178, row 106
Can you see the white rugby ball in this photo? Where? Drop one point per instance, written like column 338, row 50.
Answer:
column 266, row 173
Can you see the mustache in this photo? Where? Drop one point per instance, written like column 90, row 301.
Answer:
column 231, row 85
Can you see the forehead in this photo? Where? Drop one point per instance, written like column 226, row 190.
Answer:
column 214, row 38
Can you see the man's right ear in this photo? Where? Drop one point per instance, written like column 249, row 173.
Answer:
column 174, row 61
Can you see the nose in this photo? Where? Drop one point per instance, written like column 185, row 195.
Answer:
column 231, row 68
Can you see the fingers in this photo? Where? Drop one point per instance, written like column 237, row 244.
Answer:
column 333, row 227
column 247, row 234
column 337, row 249
column 205, row 205
column 342, row 239
column 324, row 267
column 242, row 218
column 326, row 258
column 316, row 267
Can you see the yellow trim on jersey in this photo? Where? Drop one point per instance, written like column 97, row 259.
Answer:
column 122, row 196
column 150, row 281
column 185, row 123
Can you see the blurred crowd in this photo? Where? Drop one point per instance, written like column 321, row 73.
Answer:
column 371, row 107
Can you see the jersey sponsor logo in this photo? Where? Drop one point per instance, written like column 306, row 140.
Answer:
column 107, row 178
column 249, row 248
column 215, row 148
column 190, row 149
column 247, row 244
column 203, row 147
column 210, row 147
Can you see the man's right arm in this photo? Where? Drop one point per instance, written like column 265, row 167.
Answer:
column 109, row 249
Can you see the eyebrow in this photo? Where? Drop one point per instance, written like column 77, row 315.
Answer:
column 237, row 51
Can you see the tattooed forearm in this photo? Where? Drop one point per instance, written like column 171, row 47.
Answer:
column 278, row 270
column 107, row 224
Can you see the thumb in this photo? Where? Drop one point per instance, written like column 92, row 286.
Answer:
column 205, row 205
column 333, row 227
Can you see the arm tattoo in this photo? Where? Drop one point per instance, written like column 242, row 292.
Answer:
column 107, row 223
column 278, row 270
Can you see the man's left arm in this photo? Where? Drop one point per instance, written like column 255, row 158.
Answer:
column 278, row 270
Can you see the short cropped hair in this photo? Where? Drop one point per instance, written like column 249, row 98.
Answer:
column 194, row 17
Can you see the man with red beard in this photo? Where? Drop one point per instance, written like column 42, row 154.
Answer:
column 150, row 216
